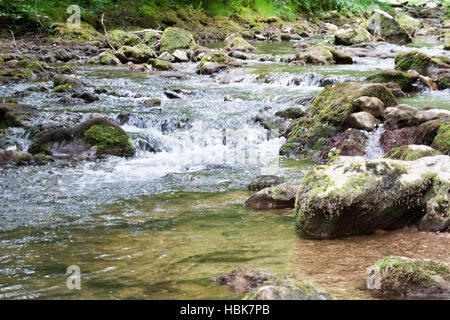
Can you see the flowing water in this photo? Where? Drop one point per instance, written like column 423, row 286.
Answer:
column 162, row 224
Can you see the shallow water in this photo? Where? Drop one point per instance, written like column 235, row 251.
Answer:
column 162, row 224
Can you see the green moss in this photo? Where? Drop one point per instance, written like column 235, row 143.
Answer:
column 409, row 154
column 160, row 64
column 442, row 139
column 85, row 32
column 403, row 79
column 419, row 61
column 119, row 38
column 289, row 147
column 109, row 140
column 42, row 159
column 217, row 56
column 176, row 38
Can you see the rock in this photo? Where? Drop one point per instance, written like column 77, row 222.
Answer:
column 262, row 182
column 427, row 81
column 138, row 54
column 16, row 115
column 414, row 74
column 108, row 58
column 395, row 89
column 15, row 157
column 165, row 56
column 354, row 195
column 243, row 280
column 84, row 32
column 399, row 116
column 403, row 79
column 234, row 42
column 441, row 141
column 322, row 55
column 160, row 64
column 238, row 55
column 152, row 102
column 180, row 56
column 411, row 152
column 443, row 79
column 351, row 142
column 408, row 23
column 335, row 102
column 177, row 38
column 93, row 138
column 291, row 113
column 212, row 63
column 437, row 218
column 287, row 289
column 401, row 276
column 384, row 25
column 86, row 96
column 278, row 197
column 119, row 38
column 420, row 62
column 67, row 81
column 349, row 37
column 372, row 105
column 361, row 120
column 172, row 95
column 431, row 114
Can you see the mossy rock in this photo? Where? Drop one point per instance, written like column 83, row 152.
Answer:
column 95, row 137
column 420, row 62
column 442, row 139
column 14, row 157
column 62, row 87
column 335, row 102
column 404, row 80
column 119, row 38
column 43, row 159
column 323, row 55
column 388, row 28
column 291, row 113
column 411, row 152
column 408, row 23
column 176, row 38
column 344, row 197
column 16, row 115
column 215, row 56
column 236, row 42
column 401, row 276
column 349, row 37
column 137, row 54
column 68, row 81
column 85, row 32
column 109, row 58
column 160, row 64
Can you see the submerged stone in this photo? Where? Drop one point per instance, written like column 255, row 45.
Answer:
column 278, row 197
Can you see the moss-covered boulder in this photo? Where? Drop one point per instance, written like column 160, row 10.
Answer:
column 323, row 55
column 408, row 23
column 384, row 25
column 411, row 152
column 15, row 157
column 348, row 37
column 236, row 42
column 68, row 81
column 16, row 115
column 119, row 38
column 177, row 38
column 291, row 113
column 159, row 64
column 83, row 33
column 264, row 181
column 137, row 54
column 420, row 62
column 443, row 79
column 401, row 276
column 354, row 195
column 92, row 138
column 335, row 102
column 403, row 79
column 108, row 58
column 21, row 68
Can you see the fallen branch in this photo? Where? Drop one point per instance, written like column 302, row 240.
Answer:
column 146, row 30
column 14, row 41
column 106, row 34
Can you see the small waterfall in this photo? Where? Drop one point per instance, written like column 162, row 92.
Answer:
column 373, row 148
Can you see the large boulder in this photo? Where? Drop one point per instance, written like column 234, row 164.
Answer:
column 335, row 102
column 278, row 197
column 177, row 38
column 93, row 138
column 401, row 276
column 351, row 36
column 137, row 54
column 354, row 195
column 323, row 55
column 236, row 42
column 408, row 23
column 16, row 115
column 420, row 62
column 384, row 25
column 403, row 79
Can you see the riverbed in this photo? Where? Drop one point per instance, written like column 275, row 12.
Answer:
column 162, row 224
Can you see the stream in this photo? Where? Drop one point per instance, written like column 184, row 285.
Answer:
column 162, row 224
